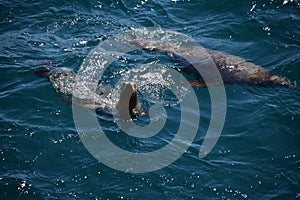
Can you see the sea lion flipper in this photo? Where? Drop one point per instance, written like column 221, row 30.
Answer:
column 282, row 81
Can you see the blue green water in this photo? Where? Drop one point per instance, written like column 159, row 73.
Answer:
column 42, row 156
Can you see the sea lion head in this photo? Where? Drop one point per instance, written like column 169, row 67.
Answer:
column 128, row 98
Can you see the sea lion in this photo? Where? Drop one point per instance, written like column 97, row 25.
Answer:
column 63, row 79
column 233, row 69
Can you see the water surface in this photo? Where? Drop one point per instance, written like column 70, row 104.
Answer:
column 42, row 156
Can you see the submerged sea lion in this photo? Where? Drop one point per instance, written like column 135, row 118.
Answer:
column 233, row 69
column 62, row 80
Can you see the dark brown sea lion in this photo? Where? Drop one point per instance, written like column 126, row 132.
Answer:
column 233, row 69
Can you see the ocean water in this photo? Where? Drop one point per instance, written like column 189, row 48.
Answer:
column 42, row 156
